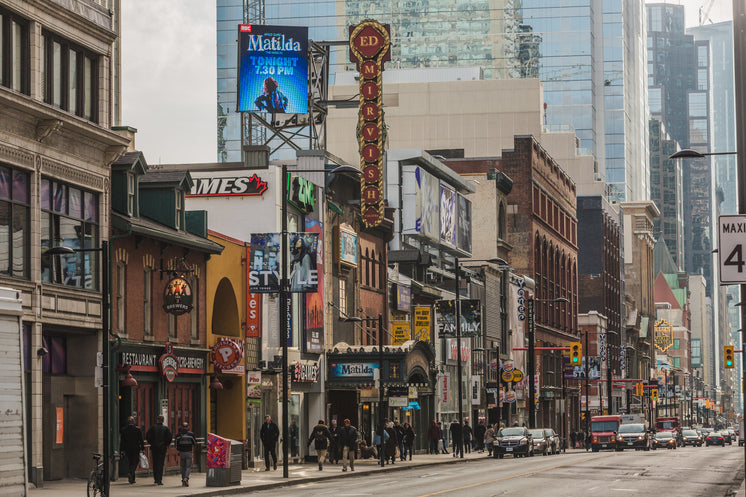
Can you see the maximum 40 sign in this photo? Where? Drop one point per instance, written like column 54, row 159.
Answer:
column 731, row 250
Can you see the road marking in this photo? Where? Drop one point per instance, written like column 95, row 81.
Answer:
column 513, row 476
column 624, row 489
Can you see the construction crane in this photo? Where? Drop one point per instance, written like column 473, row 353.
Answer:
column 704, row 12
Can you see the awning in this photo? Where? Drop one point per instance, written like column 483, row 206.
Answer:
column 412, row 405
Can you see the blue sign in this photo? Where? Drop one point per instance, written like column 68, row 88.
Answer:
column 353, row 369
column 273, row 69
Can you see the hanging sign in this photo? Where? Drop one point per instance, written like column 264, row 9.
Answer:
column 169, row 363
column 177, row 297
column 226, row 354
column 663, row 335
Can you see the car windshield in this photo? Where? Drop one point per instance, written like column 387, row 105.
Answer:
column 663, row 434
column 631, row 429
column 548, row 433
column 537, row 433
column 690, row 433
column 604, row 426
column 511, row 432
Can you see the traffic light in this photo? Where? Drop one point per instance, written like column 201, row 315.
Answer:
column 638, row 389
column 576, row 353
column 654, row 394
column 728, row 357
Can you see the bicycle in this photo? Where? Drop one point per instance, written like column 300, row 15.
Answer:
column 96, row 479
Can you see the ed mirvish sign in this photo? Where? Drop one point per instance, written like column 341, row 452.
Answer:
column 273, row 69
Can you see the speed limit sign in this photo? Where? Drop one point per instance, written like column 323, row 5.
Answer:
column 731, row 250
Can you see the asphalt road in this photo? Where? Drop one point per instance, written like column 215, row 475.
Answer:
column 685, row 472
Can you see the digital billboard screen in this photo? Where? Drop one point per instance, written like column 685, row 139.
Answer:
column 273, row 69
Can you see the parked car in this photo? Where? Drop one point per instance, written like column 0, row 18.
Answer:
column 553, row 440
column 541, row 444
column 714, row 438
column 726, row 436
column 632, row 436
column 516, row 440
column 665, row 440
column 691, row 437
column 732, row 436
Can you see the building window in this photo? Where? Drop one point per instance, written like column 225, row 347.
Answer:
column 171, row 326
column 69, row 76
column 147, row 304
column 343, row 297
column 131, row 194
column 69, row 218
column 194, row 314
column 677, row 362
column 676, row 344
column 120, row 299
column 14, row 222
column 14, row 52
column 702, row 56
column 703, row 79
column 179, row 209
column 55, row 362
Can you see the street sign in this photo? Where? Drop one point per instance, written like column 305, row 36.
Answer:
column 731, row 256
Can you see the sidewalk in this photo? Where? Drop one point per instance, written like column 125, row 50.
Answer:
column 251, row 480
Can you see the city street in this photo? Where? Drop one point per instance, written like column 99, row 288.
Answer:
column 706, row 471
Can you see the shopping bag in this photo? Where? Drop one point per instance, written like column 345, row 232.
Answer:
column 143, row 460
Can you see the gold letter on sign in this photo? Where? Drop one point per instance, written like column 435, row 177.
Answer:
column 370, row 45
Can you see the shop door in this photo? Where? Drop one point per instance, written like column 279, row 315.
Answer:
column 143, row 405
column 182, row 406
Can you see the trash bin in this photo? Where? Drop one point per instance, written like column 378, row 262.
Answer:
column 223, row 461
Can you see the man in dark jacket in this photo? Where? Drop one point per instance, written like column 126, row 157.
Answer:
column 185, row 442
column 159, row 437
column 269, row 434
column 320, row 437
column 131, row 444
column 348, row 443
column 434, row 435
column 456, row 433
column 467, row 434
column 334, row 443
column 479, row 432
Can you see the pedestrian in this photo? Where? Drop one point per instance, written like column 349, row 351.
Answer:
column 399, row 437
column 573, row 438
column 159, row 437
column 456, row 432
column 588, row 440
column 434, row 436
column 320, row 437
column 334, row 443
column 293, row 439
column 444, row 440
column 479, row 432
column 489, row 439
column 467, row 433
column 185, row 442
column 269, row 434
column 407, row 440
column 348, row 442
column 391, row 443
column 131, row 444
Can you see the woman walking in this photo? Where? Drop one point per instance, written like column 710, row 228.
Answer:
column 407, row 440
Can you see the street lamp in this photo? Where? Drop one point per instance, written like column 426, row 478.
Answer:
column 284, row 297
column 531, row 352
column 459, row 370
column 380, row 375
column 104, row 249
column 688, row 153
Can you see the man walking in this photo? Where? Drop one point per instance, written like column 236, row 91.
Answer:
column 159, row 437
column 479, row 432
column 334, row 443
column 320, row 437
column 269, row 435
column 185, row 442
column 348, row 443
column 467, row 433
column 456, row 433
column 132, row 444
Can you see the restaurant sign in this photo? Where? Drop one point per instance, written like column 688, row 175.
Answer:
column 177, row 297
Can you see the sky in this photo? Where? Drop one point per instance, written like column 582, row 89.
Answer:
column 169, row 75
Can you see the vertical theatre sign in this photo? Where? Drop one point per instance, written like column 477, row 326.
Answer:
column 370, row 45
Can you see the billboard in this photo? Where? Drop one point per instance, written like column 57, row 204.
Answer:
column 264, row 272
column 314, row 328
column 447, row 215
column 464, row 224
column 427, row 189
column 400, row 332
column 471, row 318
column 273, row 69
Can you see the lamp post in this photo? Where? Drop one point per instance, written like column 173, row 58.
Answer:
column 285, row 296
column 106, row 428
column 380, row 376
column 459, row 370
column 531, row 355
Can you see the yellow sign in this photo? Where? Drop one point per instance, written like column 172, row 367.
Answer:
column 508, row 376
column 663, row 335
column 422, row 323
column 517, row 375
column 400, row 332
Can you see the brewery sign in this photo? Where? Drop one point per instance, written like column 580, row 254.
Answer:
column 177, row 297
column 168, row 362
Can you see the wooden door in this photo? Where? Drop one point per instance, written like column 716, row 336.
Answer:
column 182, row 407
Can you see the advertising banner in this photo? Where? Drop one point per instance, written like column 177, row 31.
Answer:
column 578, row 372
column 427, row 190
column 471, row 318
column 447, row 215
column 314, row 328
column 273, row 69
column 422, row 320
column 304, row 270
column 253, row 304
column 347, row 252
column 264, row 272
column 452, row 348
column 464, row 224
column 254, row 384
column 400, row 332
column 403, row 298
column 353, row 369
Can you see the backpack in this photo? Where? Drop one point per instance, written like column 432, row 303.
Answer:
column 185, row 442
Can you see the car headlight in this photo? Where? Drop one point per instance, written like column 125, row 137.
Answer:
column 640, row 438
column 523, row 441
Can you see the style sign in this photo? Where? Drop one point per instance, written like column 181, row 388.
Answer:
column 177, row 296
column 731, row 257
column 273, row 69
column 264, row 275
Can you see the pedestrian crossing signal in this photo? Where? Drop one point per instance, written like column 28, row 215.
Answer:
column 728, row 359
column 654, row 394
column 576, row 353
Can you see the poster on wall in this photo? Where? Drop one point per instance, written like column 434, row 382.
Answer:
column 422, row 320
column 314, row 326
column 464, row 224
column 400, row 332
column 427, row 221
column 304, row 270
column 264, row 267
column 447, row 215
column 273, row 69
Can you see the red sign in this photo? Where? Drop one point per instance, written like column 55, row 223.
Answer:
column 169, row 363
column 253, row 305
column 370, row 47
column 226, row 353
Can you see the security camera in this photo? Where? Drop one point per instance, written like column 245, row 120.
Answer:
column 42, row 351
